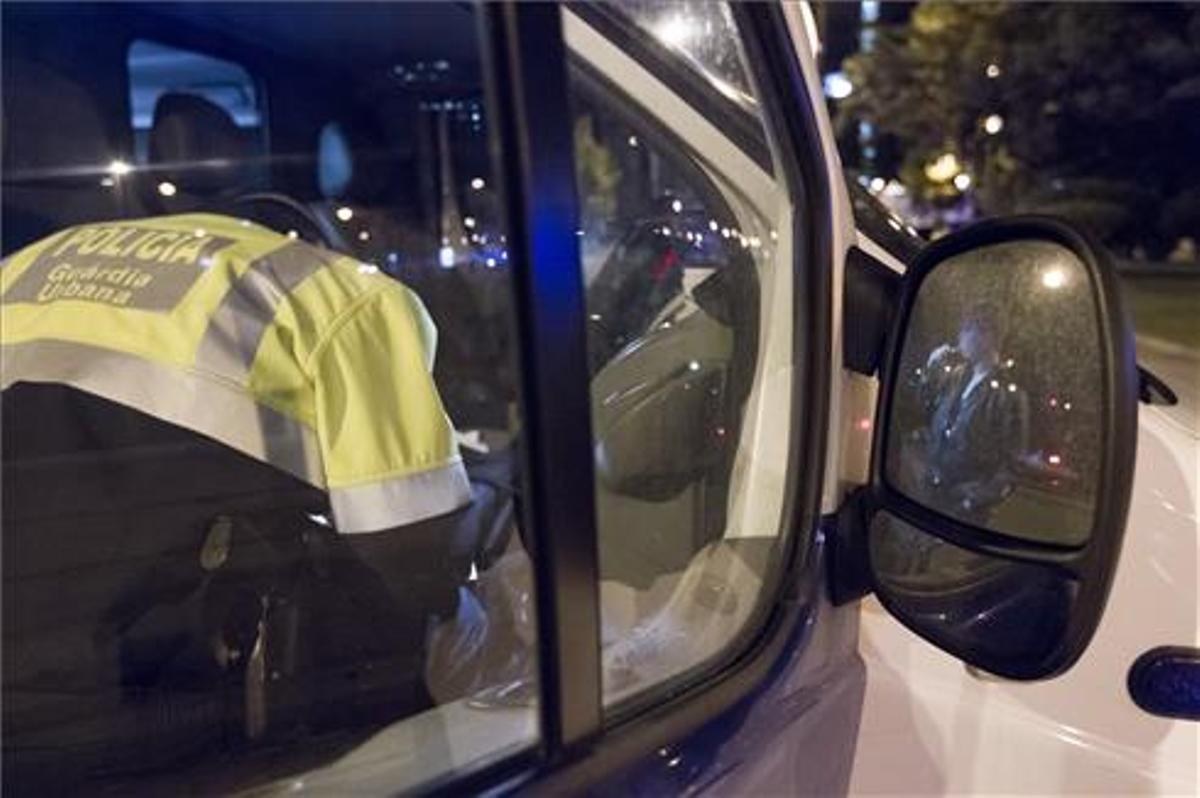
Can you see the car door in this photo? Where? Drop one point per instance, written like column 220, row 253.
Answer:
column 625, row 223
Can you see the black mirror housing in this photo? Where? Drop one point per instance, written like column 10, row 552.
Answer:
column 1004, row 444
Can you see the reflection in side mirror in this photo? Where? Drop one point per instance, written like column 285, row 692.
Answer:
column 1000, row 391
column 1003, row 460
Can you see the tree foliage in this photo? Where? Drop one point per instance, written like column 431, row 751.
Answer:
column 1100, row 106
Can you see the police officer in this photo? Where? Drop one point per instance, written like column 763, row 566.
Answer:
column 170, row 386
column 307, row 361
column 974, row 415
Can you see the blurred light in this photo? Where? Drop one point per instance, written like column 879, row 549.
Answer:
column 676, row 206
column 292, row 234
column 864, row 424
column 1054, row 278
column 368, row 268
column 1066, row 405
column 1053, row 402
column 1012, row 387
column 166, row 188
column 995, row 383
column 446, row 257
column 837, row 86
column 595, row 317
column 870, row 11
column 119, row 168
column 633, row 141
column 491, row 262
column 878, row 184
column 944, row 168
column 962, row 181
column 693, row 365
column 477, row 183
column 993, row 71
column 895, row 224
column 675, row 30
column 1009, row 363
column 344, row 213
column 712, row 225
column 199, row 232
column 107, row 182
column 993, row 124
column 364, row 236
column 469, row 222
column 1054, row 459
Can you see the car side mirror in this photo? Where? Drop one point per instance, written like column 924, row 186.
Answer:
column 1003, row 452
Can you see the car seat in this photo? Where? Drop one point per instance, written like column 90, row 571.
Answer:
column 56, row 152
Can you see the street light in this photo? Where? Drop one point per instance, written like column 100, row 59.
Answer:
column 944, row 168
column 837, row 86
column 993, row 124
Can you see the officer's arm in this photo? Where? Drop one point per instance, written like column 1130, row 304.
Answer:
column 388, row 446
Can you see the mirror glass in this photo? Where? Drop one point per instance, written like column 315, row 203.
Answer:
column 996, row 414
column 1004, row 615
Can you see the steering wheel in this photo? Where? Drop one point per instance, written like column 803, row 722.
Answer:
column 285, row 215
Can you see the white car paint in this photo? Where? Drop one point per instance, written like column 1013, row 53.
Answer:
column 931, row 727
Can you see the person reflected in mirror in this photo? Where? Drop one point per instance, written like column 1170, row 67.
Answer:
column 973, row 427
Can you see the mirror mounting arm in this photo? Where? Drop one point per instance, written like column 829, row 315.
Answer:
column 849, row 566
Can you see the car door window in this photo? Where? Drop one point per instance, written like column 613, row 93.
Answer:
column 687, row 258
column 259, row 476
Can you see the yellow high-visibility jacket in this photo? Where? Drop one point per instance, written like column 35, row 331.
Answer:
column 305, row 359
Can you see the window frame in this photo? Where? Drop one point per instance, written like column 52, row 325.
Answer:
column 578, row 748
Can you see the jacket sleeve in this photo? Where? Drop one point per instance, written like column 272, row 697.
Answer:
column 388, row 447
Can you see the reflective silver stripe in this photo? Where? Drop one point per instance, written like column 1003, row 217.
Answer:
column 375, row 506
column 236, row 328
column 190, row 400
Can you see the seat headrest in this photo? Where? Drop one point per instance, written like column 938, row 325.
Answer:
column 52, row 122
column 195, row 144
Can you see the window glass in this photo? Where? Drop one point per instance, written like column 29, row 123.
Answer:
column 259, row 481
column 686, row 256
column 704, row 35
